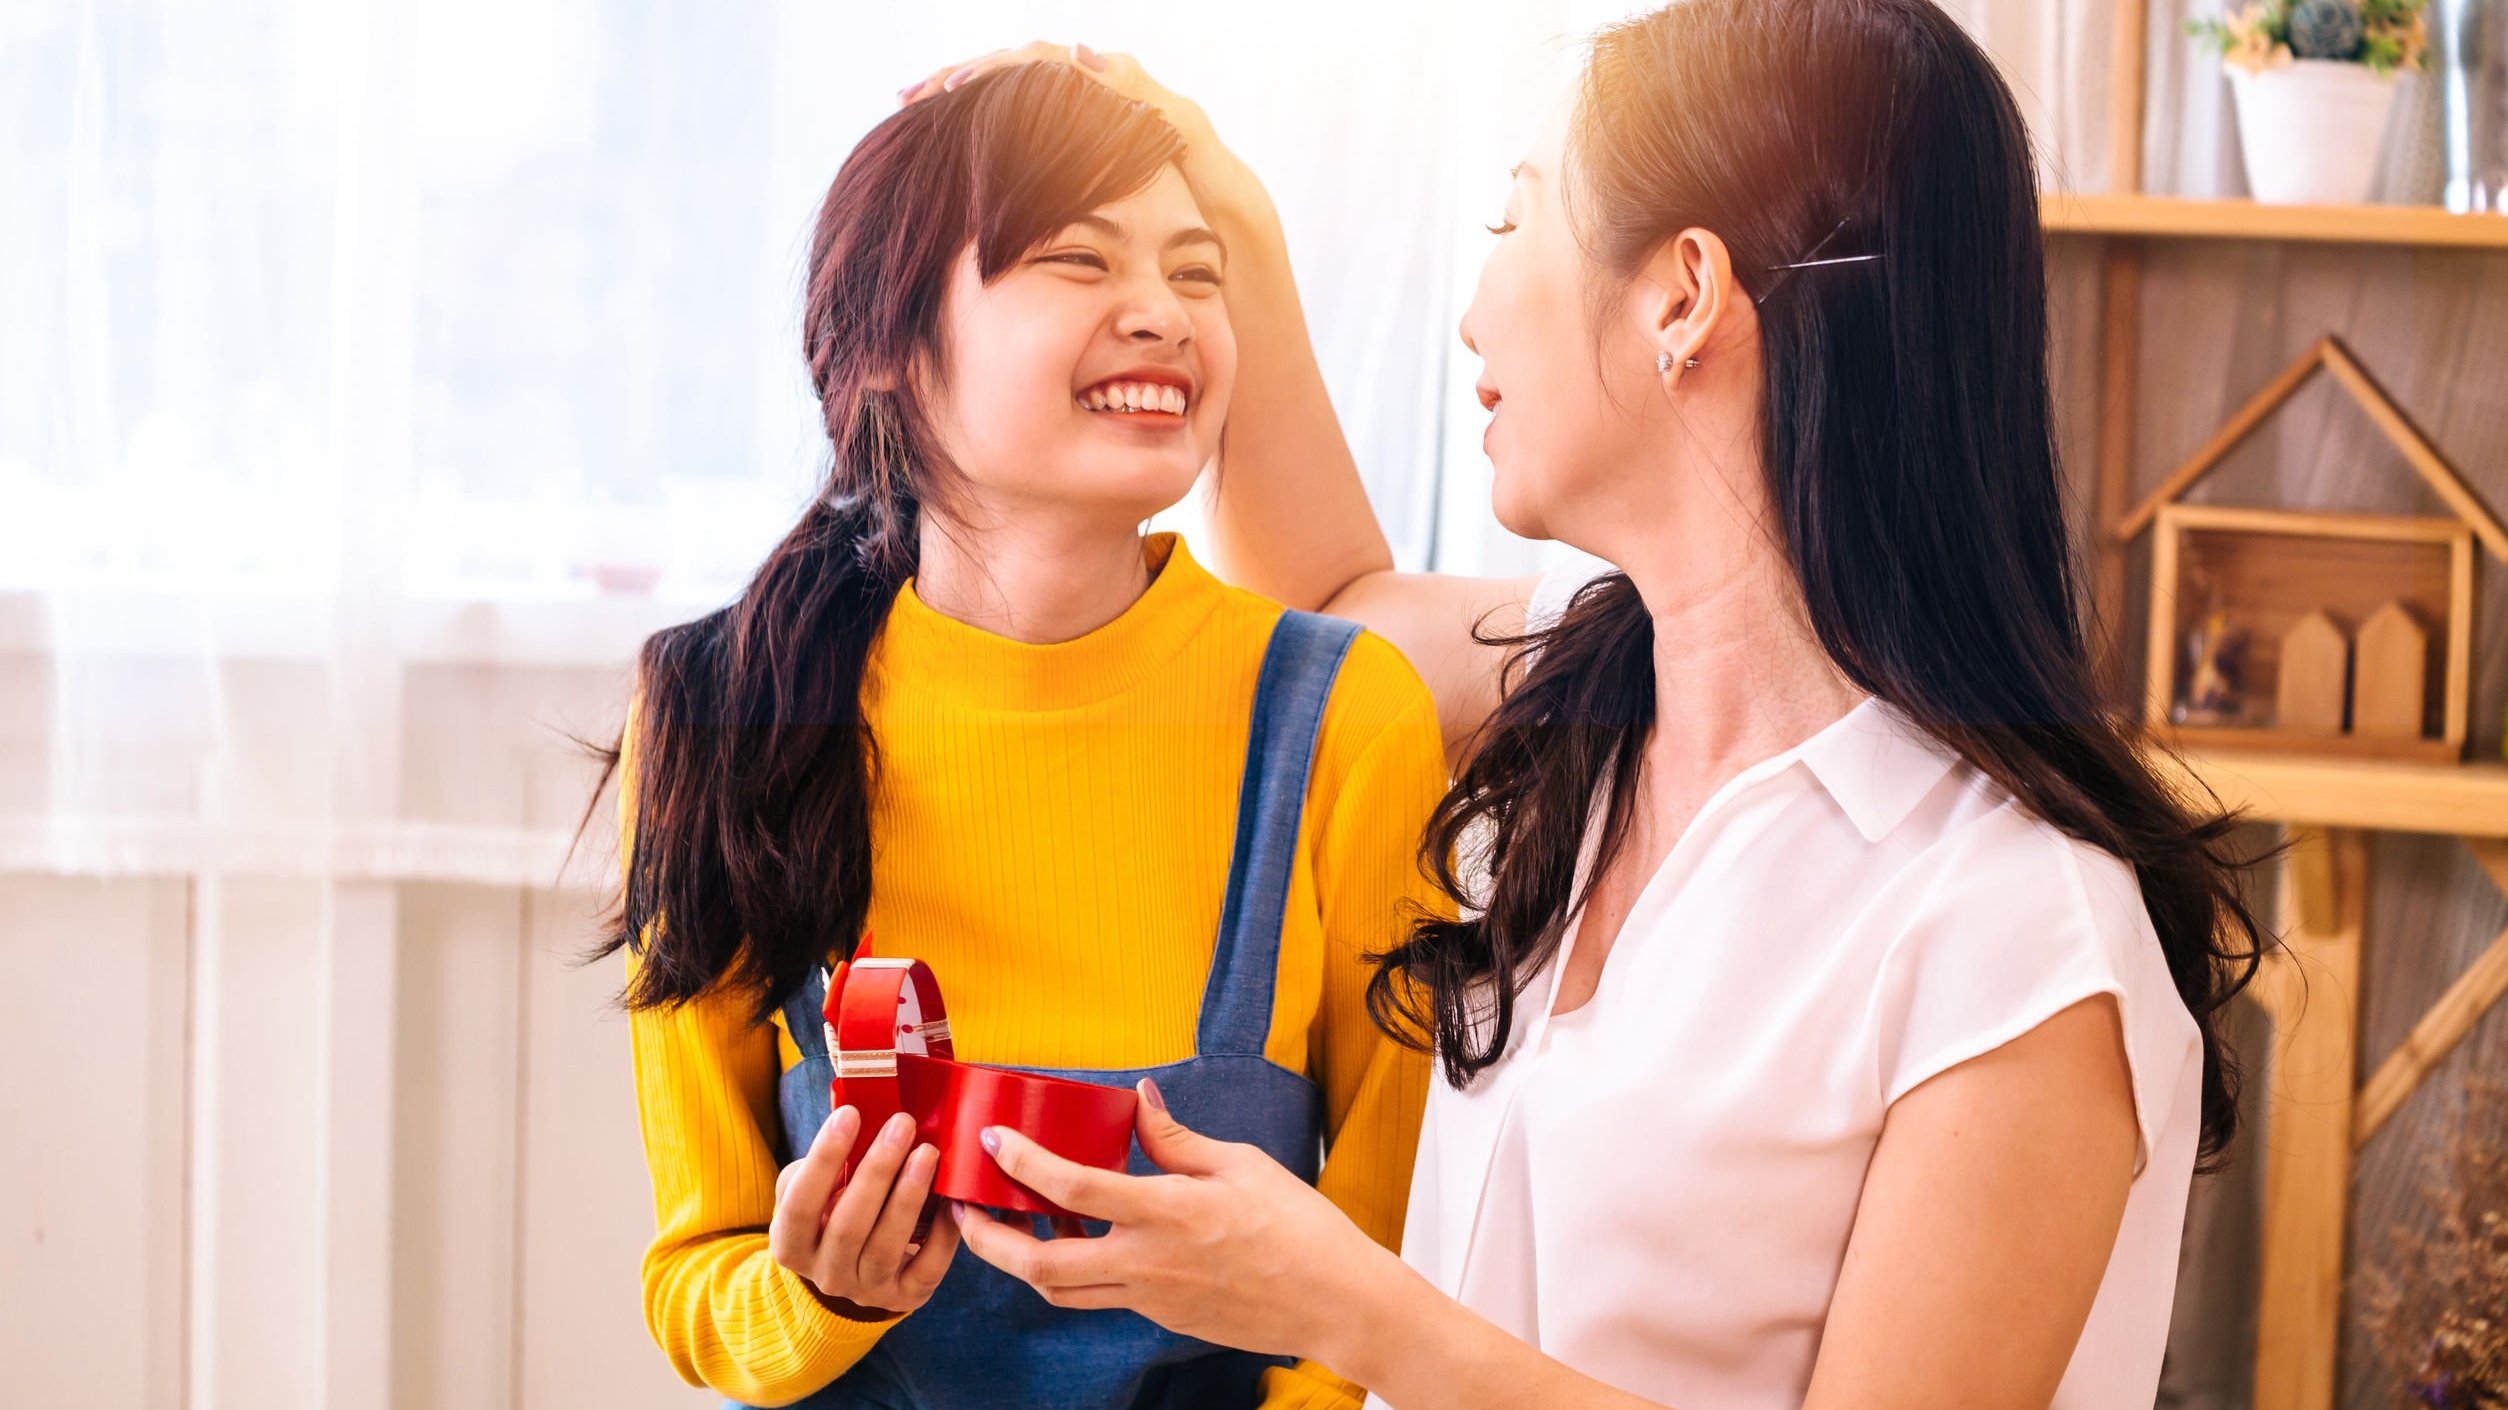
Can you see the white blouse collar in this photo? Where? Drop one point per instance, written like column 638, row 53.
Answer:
column 1877, row 763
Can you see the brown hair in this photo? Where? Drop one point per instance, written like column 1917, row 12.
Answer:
column 1907, row 436
column 750, row 860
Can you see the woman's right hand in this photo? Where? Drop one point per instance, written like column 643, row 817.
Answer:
column 856, row 1245
column 1225, row 186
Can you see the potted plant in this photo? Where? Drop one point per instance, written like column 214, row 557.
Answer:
column 2314, row 81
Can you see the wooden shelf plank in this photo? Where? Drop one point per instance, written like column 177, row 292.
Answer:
column 2459, row 800
column 2086, row 213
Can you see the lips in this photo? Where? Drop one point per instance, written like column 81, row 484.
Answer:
column 1158, row 392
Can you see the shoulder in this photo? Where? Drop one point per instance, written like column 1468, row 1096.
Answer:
column 1377, row 689
column 1380, row 715
column 1992, row 859
column 1374, row 688
column 2004, row 920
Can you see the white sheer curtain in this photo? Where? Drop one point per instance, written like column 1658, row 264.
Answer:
column 338, row 337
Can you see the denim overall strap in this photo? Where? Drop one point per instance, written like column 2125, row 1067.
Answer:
column 805, row 1016
column 1289, row 696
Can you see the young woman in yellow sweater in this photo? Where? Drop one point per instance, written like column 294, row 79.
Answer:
column 1139, row 823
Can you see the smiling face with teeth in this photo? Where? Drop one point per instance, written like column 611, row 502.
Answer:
column 1093, row 376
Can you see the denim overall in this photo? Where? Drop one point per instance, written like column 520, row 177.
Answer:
column 987, row 1340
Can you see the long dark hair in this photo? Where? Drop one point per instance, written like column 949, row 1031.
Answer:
column 1908, row 442
column 750, row 857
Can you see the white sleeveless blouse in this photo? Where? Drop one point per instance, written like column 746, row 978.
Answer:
column 1657, row 1188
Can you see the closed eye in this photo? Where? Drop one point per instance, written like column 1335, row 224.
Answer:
column 1086, row 259
column 1503, row 227
column 1198, row 273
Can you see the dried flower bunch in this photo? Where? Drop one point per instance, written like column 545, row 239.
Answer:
column 2435, row 1302
column 2385, row 35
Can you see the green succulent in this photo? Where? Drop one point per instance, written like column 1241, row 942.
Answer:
column 2325, row 29
column 2383, row 35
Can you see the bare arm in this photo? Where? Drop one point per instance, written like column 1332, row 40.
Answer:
column 1987, row 1218
column 1985, row 1225
column 1288, row 514
column 1432, row 618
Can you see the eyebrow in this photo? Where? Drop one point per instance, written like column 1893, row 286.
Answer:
column 1190, row 235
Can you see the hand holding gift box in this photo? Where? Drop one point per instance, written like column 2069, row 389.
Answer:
column 889, row 1033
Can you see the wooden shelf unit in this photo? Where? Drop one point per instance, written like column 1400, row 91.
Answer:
column 2183, row 217
column 2375, row 795
column 2319, row 1109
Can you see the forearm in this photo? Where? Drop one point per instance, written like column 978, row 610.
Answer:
column 1367, row 1176
column 1288, row 515
column 1415, row 1348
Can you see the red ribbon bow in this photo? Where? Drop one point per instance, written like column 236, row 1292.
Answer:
column 888, row 1035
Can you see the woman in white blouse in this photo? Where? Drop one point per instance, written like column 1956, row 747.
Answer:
column 1831, row 1021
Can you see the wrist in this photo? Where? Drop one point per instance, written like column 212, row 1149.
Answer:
column 1364, row 1330
column 846, row 1307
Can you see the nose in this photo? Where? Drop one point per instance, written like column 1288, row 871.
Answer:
column 1463, row 330
column 1153, row 313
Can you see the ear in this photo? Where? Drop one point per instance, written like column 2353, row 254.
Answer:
column 1686, row 298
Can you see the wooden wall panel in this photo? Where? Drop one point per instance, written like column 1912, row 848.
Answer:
column 92, row 1239
column 587, row 1205
column 459, row 1078
column 257, row 1198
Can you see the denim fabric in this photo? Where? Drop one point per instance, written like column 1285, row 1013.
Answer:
column 986, row 1340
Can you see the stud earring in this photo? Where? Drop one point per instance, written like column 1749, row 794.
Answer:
column 1663, row 362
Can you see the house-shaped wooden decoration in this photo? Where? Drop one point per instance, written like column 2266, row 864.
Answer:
column 2407, row 581
column 2389, row 702
column 2315, row 686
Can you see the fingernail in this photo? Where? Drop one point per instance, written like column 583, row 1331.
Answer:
column 957, row 1212
column 908, row 92
column 1088, row 57
column 1150, row 1094
column 990, row 1139
column 951, row 83
column 899, row 1130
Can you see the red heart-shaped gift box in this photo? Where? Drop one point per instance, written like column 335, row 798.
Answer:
column 888, row 1034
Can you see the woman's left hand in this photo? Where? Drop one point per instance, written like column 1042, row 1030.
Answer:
column 1227, row 1246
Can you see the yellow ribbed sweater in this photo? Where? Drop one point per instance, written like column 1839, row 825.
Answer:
column 1052, row 833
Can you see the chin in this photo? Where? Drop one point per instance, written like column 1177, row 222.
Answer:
column 1516, row 509
column 1134, row 497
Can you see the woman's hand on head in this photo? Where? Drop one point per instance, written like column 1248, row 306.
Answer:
column 856, row 1244
column 1225, row 186
column 1227, row 1246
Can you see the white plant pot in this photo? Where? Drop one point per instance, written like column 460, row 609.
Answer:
column 2311, row 131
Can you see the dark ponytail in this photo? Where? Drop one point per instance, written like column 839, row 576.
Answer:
column 753, row 766
column 1907, row 436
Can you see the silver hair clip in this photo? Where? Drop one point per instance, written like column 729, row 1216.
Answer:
column 1807, row 262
